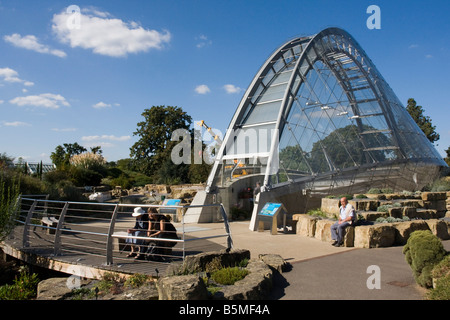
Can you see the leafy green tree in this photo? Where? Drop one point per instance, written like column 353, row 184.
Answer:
column 62, row 154
column 424, row 122
column 153, row 149
column 447, row 158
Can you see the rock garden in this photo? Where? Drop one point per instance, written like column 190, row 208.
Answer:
column 384, row 219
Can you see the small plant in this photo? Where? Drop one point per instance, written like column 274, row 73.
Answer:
column 110, row 282
column 384, row 208
column 228, row 276
column 317, row 213
column 214, row 265
column 23, row 288
column 136, row 280
column 361, row 196
column 374, row 191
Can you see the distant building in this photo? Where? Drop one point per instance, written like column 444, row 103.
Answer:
column 32, row 167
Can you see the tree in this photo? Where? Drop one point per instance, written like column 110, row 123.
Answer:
column 62, row 154
column 424, row 122
column 153, row 149
column 447, row 158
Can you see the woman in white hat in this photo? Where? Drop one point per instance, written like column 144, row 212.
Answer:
column 139, row 230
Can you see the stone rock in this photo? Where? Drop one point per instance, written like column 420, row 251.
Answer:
column 330, row 206
column 323, row 229
column 404, row 230
column 373, row 215
column 188, row 287
column 439, row 228
column 349, row 237
column 145, row 292
column 255, row 286
column 433, row 196
column 198, row 262
column 366, row 205
column 395, row 212
column 306, row 225
column 439, row 205
column 410, row 212
column 53, row 289
column 274, row 261
column 374, row 236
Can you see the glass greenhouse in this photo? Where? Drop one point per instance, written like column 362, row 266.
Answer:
column 319, row 116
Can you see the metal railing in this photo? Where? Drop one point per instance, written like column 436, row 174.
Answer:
column 62, row 228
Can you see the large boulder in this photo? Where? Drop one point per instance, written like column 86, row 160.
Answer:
column 439, row 228
column 323, row 229
column 255, row 286
column 433, row 196
column 306, row 225
column 404, row 229
column 189, row 287
column 198, row 262
column 374, row 236
column 53, row 289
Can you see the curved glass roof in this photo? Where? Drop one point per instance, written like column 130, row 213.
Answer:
column 318, row 107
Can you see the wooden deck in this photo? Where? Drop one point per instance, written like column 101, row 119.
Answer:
column 84, row 254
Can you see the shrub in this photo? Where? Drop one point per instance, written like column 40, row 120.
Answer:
column 23, row 288
column 384, row 208
column 423, row 251
column 374, row 191
column 317, row 213
column 441, row 290
column 228, row 276
column 361, row 196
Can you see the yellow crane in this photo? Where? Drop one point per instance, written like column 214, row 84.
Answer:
column 211, row 132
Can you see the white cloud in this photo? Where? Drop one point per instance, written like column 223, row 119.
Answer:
column 45, row 100
column 64, row 129
column 30, row 42
column 428, row 56
column 105, row 137
column 231, row 88
column 12, row 76
column 1, row 101
column 9, row 75
column 101, row 105
column 16, row 124
column 413, row 46
column 202, row 89
column 107, row 36
column 204, row 41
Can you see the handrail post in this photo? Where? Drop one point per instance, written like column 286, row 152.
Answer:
column 57, row 245
column 182, row 235
column 227, row 227
column 26, row 227
column 109, row 240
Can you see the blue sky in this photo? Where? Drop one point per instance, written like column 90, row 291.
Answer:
column 60, row 84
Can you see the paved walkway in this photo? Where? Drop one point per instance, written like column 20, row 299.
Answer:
column 320, row 271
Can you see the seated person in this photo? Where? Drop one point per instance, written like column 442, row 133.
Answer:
column 161, row 227
column 346, row 217
column 139, row 230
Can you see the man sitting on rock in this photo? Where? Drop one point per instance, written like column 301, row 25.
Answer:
column 346, row 217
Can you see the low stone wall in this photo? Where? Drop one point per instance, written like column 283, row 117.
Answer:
column 428, row 206
column 370, row 236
